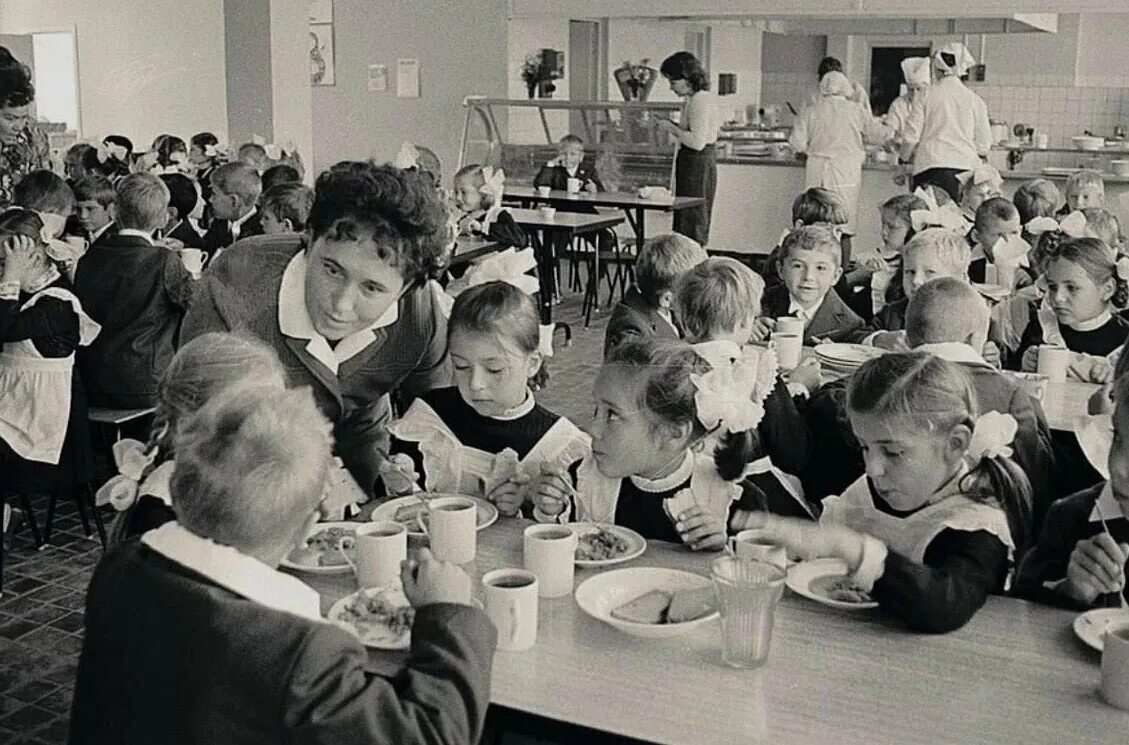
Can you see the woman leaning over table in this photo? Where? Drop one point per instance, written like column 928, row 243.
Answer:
column 695, row 166
column 23, row 145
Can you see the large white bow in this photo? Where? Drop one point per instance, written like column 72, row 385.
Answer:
column 731, row 395
column 107, row 150
column 495, row 183
column 131, row 460
column 1040, row 225
column 981, row 174
column 934, row 216
column 509, row 266
column 407, row 157
column 992, row 436
column 1011, row 252
column 217, row 150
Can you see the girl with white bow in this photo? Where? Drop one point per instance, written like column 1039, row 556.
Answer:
column 44, row 440
column 661, row 406
column 1086, row 285
column 486, row 436
column 935, row 524
column 478, row 196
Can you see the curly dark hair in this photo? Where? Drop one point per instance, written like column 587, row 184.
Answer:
column 400, row 209
column 685, row 66
column 16, row 88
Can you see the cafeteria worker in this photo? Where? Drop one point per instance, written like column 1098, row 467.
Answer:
column 695, row 165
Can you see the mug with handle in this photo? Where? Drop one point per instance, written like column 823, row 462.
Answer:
column 451, row 526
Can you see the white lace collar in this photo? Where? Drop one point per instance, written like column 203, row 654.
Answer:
column 667, row 483
column 518, row 411
column 1094, row 323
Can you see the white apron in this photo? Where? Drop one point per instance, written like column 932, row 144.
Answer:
column 35, row 391
column 454, row 468
column 910, row 536
column 841, row 174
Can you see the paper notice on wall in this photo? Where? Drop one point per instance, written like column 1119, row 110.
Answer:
column 407, row 78
column 378, row 78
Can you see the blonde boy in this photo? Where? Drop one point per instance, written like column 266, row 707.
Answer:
column 648, row 308
column 810, row 263
column 1084, row 189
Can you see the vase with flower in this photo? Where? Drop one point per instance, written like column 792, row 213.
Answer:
column 636, row 79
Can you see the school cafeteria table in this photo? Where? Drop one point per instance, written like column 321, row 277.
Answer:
column 469, row 248
column 633, row 205
column 1014, row 674
column 541, row 230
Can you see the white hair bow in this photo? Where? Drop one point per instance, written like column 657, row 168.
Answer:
column 981, row 174
column 131, row 460
column 112, row 150
column 1122, row 268
column 102, row 151
column 510, row 266
column 216, row 150
column 1011, row 252
column 1040, row 225
column 992, row 436
column 495, row 185
column 1074, row 225
column 731, row 395
column 407, row 157
column 934, row 216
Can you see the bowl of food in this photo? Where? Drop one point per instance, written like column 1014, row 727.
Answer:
column 606, row 545
column 381, row 617
column 1088, row 142
column 1119, row 167
column 328, row 548
column 649, row 602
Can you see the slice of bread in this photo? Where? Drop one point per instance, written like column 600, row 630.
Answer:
column 648, row 608
column 686, row 605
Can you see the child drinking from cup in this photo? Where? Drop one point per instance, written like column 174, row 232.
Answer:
column 486, row 436
column 657, row 401
column 478, row 198
column 1086, row 285
column 930, row 530
column 570, row 163
column 1084, row 189
column 1080, row 558
column 997, row 242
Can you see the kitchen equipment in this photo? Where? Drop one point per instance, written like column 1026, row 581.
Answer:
column 1088, row 142
column 999, row 132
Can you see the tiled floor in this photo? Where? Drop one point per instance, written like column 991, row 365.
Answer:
column 44, row 591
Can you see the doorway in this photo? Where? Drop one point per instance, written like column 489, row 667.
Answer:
column 584, row 73
column 886, row 74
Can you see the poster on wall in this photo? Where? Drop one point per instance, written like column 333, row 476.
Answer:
column 407, row 78
column 322, row 67
column 321, row 11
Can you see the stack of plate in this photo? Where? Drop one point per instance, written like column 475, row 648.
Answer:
column 844, row 358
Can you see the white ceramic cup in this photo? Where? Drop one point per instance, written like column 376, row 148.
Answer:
column 1042, row 141
column 746, row 545
column 1115, row 665
column 789, row 347
column 1053, row 362
column 550, row 553
column 451, row 525
column 574, row 185
column 380, row 550
column 548, row 213
column 193, row 260
column 543, row 191
column 790, row 325
column 511, row 603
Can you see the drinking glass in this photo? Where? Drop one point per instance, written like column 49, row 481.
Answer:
column 747, row 593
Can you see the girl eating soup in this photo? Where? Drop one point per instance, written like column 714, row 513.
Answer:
column 486, row 436
column 478, row 204
column 930, row 529
column 657, row 400
column 1086, row 284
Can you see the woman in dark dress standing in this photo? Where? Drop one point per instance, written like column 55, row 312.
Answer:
column 695, row 166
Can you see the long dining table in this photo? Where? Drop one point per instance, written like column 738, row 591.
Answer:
column 1014, row 674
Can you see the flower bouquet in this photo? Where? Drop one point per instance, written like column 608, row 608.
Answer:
column 636, row 79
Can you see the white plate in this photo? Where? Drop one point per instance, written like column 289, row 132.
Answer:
column 637, row 544
column 1090, row 626
column 337, row 568
column 846, row 354
column 376, row 637
column 600, row 594
column 487, row 513
column 804, row 574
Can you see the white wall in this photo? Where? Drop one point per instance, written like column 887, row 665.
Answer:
column 461, row 52
column 635, row 39
column 291, row 102
column 153, row 66
column 734, row 49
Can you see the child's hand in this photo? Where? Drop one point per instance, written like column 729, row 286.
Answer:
column 762, row 329
column 399, row 475
column 1089, row 369
column 1097, row 567
column 591, row 187
column 20, row 258
column 873, row 264
column 509, row 495
column 991, row 355
column 427, row 581
column 806, row 539
column 807, row 374
column 700, row 530
column 552, row 491
column 1030, row 361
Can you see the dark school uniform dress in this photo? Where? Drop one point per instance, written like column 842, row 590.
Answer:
column 832, row 320
column 1099, row 342
column 441, row 420
column 138, row 292
column 48, row 329
column 1071, row 520
column 943, row 559
column 633, row 318
column 503, row 229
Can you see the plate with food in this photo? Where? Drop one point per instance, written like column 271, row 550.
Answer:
column 606, row 545
column 380, row 617
column 405, row 510
column 1091, row 626
column 327, row 549
column 650, row 602
column 826, row 581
